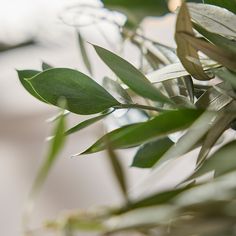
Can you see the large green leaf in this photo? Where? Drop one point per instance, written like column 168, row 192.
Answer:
column 221, row 162
column 131, row 76
column 149, row 153
column 26, row 74
column 184, row 49
column 135, row 134
column 136, row 10
column 83, row 95
column 214, row 19
column 228, row 4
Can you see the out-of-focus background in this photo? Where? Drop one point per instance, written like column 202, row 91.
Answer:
column 74, row 182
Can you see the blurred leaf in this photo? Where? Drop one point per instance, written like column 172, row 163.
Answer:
column 213, row 99
column 220, row 125
column 189, row 86
column 172, row 71
column 116, row 90
column 27, row 74
column 227, row 76
column 228, row 4
column 117, row 170
column 221, row 162
column 131, row 76
column 46, row 66
column 83, row 95
column 184, row 48
column 190, row 139
column 136, row 10
column 55, row 147
column 154, row 199
column 149, row 153
column 135, row 134
column 217, row 39
column 214, row 19
column 226, row 58
column 182, row 102
column 87, row 123
column 84, row 53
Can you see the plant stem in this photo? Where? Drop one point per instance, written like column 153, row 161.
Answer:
column 139, row 106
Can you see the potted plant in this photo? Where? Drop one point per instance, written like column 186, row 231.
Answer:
column 189, row 90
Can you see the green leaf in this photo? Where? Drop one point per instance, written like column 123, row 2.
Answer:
column 228, row 4
column 46, row 66
column 190, row 87
column 116, row 90
column 131, row 76
column 117, row 170
column 27, row 74
column 213, row 99
column 135, row 134
column 83, row 95
column 149, row 153
column 184, row 48
column 221, row 162
column 138, row 9
column 84, row 53
column 214, row 19
column 217, row 39
column 172, row 71
column 87, row 123
column 154, row 199
column 222, row 123
column 227, row 76
column 56, row 146
column 226, row 58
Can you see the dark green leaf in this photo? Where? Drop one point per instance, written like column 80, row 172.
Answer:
column 130, row 75
column 27, row 74
column 151, row 152
column 135, row 134
column 155, row 199
column 116, row 90
column 46, row 66
column 87, row 123
column 221, row 162
column 84, row 53
column 83, row 95
column 136, row 10
column 184, row 48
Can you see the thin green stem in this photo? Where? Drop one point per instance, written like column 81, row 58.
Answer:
column 139, row 106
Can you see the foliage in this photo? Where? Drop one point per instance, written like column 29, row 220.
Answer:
column 189, row 90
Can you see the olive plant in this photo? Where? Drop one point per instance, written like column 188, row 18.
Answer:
column 190, row 89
